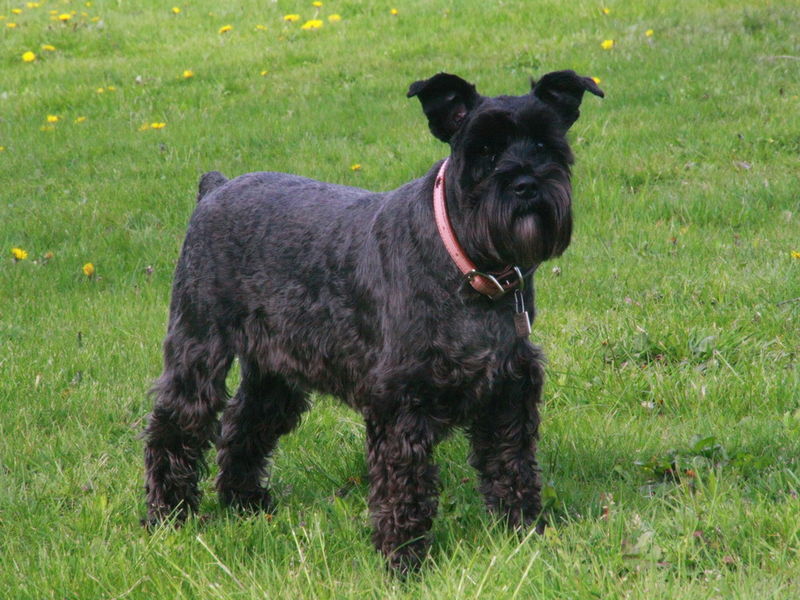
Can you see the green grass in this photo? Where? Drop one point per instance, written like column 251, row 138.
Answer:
column 671, row 433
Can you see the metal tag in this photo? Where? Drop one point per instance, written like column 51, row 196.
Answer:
column 522, row 323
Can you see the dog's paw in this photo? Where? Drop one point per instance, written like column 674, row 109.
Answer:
column 159, row 516
column 251, row 501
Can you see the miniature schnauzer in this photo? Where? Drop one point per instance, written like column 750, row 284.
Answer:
column 413, row 306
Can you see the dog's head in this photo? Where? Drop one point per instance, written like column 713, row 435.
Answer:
column 509, row 178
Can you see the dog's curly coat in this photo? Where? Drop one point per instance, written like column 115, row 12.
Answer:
column 315, row 286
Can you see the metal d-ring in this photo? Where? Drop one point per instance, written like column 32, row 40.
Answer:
column 520, row 278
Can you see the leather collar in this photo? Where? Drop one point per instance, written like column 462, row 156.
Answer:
column 490, row 284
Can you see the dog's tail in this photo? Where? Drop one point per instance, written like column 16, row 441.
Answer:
column 208, row 182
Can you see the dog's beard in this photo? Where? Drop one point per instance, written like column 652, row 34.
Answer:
column 543, row 229
column 507, row 230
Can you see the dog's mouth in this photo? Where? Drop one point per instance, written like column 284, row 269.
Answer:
column 531, row 207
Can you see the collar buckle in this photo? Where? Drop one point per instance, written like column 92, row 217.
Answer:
column 496, row 289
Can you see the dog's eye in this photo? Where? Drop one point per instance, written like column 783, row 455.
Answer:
column 488, row 153
column 539, row 145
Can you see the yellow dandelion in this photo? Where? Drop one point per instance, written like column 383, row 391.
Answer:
column 312, row 24
column 649, row 33
column 188, row 74
column 607, row 44
column 394, row 12
column 597, row 80
column 11, row 25
column 334, row 18
column 28, row 56
column 100, row 90
column 291, row 18
column 48, row 48
column 264, row 73
column 2, row 148
column 94, row 19
column 16, row 11
column 225, row 28
column 158, row 125
column 88, row 4
column 88, row 269
column 355, row 167
column 144, row 127
column 19, row 254
column 111, row 88
column 33, row 5
column 64, row 17
column 53, row 118
column 317, row 4
column 176, row 10
column 606, row 11
column 261, row 27
column 796, row 254
column 80, row 119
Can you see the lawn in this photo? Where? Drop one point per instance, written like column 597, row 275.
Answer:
column 670, row 442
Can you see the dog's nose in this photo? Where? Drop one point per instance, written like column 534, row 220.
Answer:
column 524, row 186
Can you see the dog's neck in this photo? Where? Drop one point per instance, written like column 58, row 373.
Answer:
column 490, row 284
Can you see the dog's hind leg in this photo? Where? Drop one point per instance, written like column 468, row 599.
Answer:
column 188, row 396
column 264, row 408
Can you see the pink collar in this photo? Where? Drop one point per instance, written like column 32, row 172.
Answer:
column 493, row 285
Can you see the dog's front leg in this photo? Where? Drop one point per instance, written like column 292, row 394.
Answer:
column 503, row 439
column 403, row 486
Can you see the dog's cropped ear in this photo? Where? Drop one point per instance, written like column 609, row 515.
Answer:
column 563, row 92
column 446, row 100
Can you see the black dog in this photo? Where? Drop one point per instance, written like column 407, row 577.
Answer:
column 409, row 305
